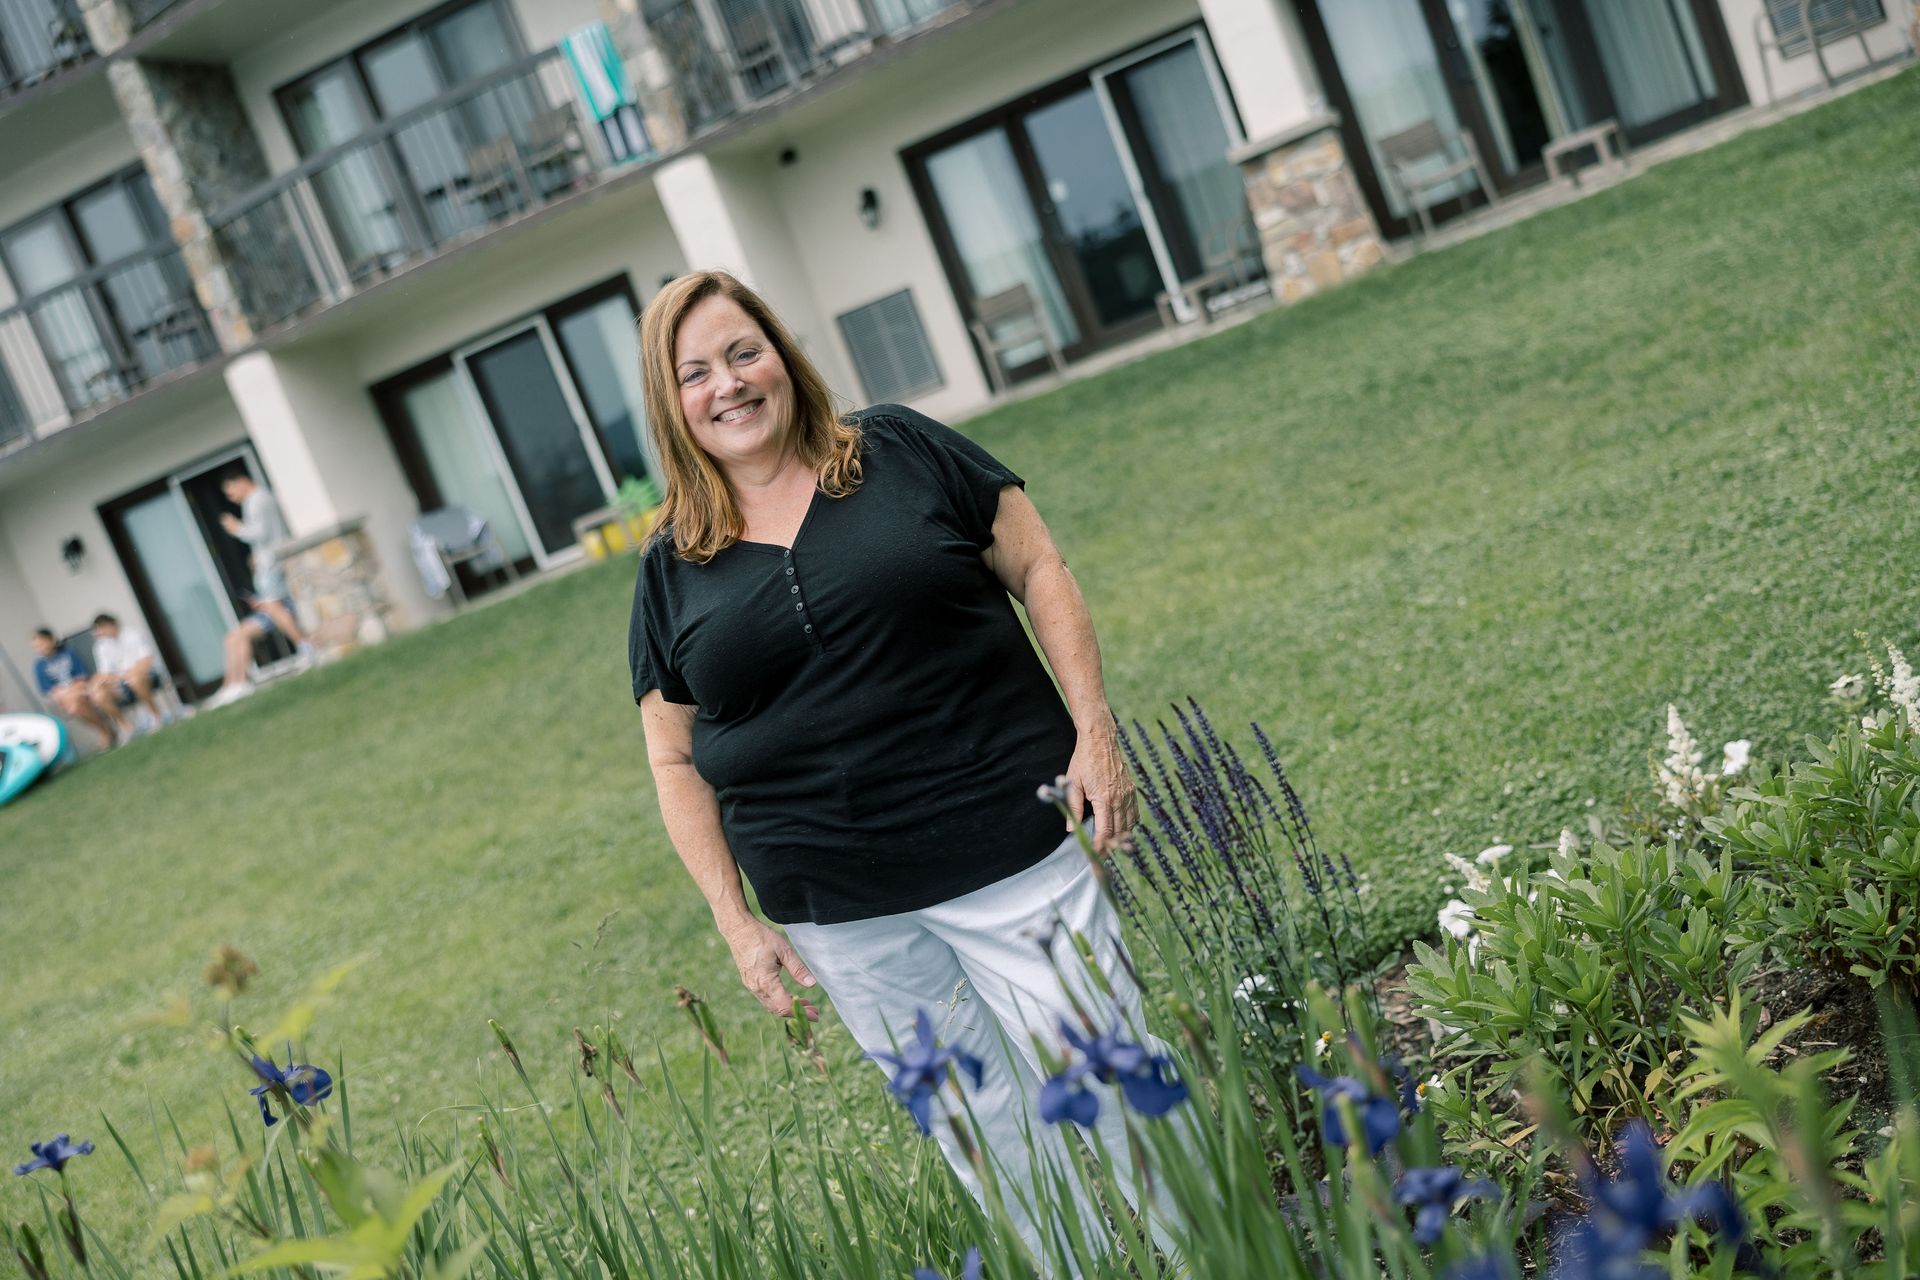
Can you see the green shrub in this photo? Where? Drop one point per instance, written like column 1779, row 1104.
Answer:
column 1586, row 971
column 1838, row 834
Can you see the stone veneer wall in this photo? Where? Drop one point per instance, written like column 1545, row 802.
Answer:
column 201, row 152
column 1315, row 227
column 338, row 593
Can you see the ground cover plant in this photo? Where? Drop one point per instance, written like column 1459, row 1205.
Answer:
column 1450, row 534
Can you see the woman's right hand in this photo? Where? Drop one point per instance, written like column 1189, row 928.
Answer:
column 760, row 952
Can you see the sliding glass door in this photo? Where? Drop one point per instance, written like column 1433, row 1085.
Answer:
column 530, row 427
column 192, row 579
column 1511, row 75
column 1097, row 194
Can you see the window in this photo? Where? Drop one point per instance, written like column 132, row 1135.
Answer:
column 109, row 299
column 890, row 350
column 1831, row 18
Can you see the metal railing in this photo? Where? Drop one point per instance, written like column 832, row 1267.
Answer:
column 483, row 154
column 96, row 339
column 142, row 12
column 730, row 56
column 38, row 40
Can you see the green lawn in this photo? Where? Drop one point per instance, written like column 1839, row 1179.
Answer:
column 1455, row 534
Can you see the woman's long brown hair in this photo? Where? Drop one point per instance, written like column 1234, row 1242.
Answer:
column 697, row 504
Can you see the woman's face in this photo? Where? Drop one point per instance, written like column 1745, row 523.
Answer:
column 734, row 387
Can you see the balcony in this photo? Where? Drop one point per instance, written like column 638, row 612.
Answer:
column 95, row 340
column 729, row 57
column 487, row 153
column 38, row 40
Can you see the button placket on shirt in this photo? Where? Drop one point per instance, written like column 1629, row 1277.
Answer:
column 800, row 601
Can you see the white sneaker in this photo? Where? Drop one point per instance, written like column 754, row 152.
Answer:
column 228, row 693
column 304, row 655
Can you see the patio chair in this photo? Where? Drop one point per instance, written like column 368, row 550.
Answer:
column 1410, row 157
column 1010, row 306
column 1791, row 26
column 1225, row 256
column 452, row 536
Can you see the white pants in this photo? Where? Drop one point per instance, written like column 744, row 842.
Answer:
column 976, row 964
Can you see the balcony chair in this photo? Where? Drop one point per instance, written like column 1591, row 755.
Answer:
column 1009, row 306
column 1409, row 156
column 554, row 142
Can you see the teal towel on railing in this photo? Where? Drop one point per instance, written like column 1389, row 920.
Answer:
column 596, row 65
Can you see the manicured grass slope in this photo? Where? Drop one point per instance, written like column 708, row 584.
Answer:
column 1455, row 534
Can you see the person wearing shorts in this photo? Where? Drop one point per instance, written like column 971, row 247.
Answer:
column 126, row 674
column 261, row 526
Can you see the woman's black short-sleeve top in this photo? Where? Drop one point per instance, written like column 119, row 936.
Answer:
column 872, row 715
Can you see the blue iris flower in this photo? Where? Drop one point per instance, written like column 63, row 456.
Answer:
column 969, row 1269
column 922, row 1068
column 1637, row 1205
column 1488, row 1266
column 1379, row 1116
column 53, row 1155
column 1146, row 1079
column 1436, row 1192
column 301, row 1081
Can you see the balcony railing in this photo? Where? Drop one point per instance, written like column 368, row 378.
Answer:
column 483, row 154
column 730, row 56
column 97, row 339
column 38, row 40
column 143, row 12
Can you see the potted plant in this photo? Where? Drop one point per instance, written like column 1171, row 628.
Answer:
column 623, row 525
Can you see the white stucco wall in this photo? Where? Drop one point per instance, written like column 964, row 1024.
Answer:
column 19, row 615
column 337, row 29
column 853, row 140
column 1798, row 73
column 38, row 513
column 56, row 174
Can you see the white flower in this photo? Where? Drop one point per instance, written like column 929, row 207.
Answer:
column 1869, row 723
column 1848, row 688
column 1735, row 757
column 1457, row 918
column 1476, row 879
column 1903, row 691
column 1249, row 985
column 1324, row 1043
column 1681, row 781
column 1490, row 856
column 1568, row 845
column 1432, row 1084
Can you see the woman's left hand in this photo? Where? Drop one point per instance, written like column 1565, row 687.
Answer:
column 1098, row 774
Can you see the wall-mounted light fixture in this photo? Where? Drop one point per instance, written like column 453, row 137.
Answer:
column 74, row 552
column 870, row 207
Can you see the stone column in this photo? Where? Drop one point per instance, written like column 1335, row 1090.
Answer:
column 201, row 152
column 1315, row 227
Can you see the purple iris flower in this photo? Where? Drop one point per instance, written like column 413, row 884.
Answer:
column 1436, row 1192
column 969, row 1269
column 922, row 1069
column 301, row 1081
column 1379, row 1116
column 53, row 1155
column 1636, row 1206
column 1146, row 1079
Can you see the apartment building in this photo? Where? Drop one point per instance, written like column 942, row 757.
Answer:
column 388, row 254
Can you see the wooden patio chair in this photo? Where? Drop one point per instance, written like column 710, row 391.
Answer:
column 1410, row 157
column 1010, row 306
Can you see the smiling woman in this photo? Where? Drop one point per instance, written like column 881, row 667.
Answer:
column 839, row 701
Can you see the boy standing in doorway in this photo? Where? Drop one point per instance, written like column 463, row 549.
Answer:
column 261, row 526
